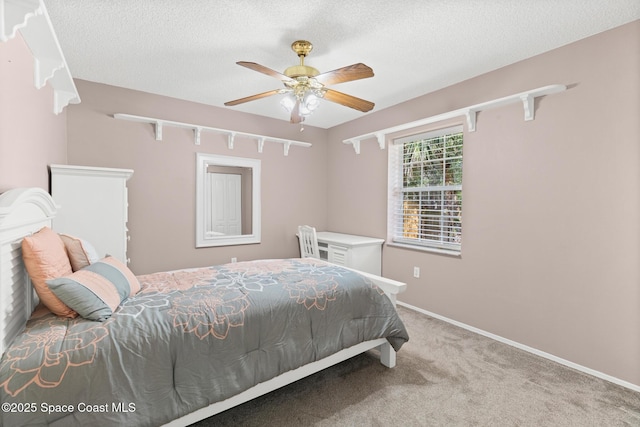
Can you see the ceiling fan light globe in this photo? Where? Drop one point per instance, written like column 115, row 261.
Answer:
column 305, row 111
column 311, row 101
column 288, row 102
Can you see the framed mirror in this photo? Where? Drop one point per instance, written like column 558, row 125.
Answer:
column 227, row 200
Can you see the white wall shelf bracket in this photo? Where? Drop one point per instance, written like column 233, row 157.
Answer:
column 198, row 129
column 158, row 126
column 44, row 69
column 470, row 113
column 528, row 102
column 231, row 140
column 30, row 17
column 197, row 132
column 355, row 143
column 471, row 120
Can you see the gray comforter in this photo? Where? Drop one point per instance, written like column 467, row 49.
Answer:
column 188, row 339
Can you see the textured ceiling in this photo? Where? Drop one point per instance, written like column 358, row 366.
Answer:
column 187, row 49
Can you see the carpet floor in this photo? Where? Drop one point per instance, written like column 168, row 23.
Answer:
column 445, row 376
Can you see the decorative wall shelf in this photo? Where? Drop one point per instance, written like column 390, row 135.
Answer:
column 197, row 130
column 30, row 17
column 527, row 98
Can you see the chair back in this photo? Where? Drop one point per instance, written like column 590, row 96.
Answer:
column 308, row 242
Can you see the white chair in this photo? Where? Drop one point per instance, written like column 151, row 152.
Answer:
column 308, row 242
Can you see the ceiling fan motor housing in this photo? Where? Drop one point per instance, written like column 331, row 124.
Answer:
column 301, row 70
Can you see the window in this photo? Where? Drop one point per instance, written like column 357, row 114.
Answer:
column 425, row 190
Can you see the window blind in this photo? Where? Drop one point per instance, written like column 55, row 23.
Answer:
column 425, row 176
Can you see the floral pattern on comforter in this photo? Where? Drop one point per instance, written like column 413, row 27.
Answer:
column 189, row 338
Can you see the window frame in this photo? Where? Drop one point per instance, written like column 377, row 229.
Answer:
column 397, row 191
column 204, row 205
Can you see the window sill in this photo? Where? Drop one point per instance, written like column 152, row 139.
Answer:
column 439, row 251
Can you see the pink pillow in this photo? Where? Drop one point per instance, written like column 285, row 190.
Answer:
column 45, row 258
column 98, row 289
column 79, row 251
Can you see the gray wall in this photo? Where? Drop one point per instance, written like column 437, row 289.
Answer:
column 551, row 207
column 31, row 136
column 162, row 188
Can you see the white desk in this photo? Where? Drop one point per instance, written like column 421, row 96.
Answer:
column 359, row 252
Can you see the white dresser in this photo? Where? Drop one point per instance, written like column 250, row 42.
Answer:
column 93, row 206
column 359, row 252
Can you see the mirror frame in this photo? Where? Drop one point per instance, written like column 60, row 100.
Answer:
column 203, row 161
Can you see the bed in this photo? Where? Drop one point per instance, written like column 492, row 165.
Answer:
column 186, row 344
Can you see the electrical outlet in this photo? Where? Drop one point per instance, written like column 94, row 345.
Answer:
column 234, row 259
column 416, row 272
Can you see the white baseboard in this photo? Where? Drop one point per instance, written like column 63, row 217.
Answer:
column 526, row 348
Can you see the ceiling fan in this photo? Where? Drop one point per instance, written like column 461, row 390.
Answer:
column 305, row 86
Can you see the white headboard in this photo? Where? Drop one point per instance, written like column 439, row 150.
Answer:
column 23, row 211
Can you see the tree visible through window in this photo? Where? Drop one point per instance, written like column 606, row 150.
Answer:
column 425, row 177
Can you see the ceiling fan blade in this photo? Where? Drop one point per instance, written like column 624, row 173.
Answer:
column 295, row 113
column 345, row 74
column 264, row 70
column 252, row 97
column 348, row 100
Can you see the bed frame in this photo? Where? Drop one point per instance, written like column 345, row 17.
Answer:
column 24, row 211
